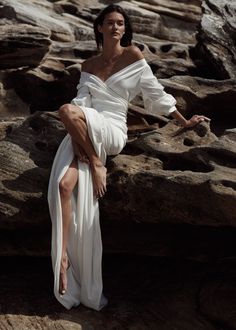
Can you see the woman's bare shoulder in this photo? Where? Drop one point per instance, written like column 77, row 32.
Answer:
column 134, row 53
column 88, row 65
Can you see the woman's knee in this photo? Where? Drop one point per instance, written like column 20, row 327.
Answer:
column 65, row 188
column 65, row 110
column 69, row 112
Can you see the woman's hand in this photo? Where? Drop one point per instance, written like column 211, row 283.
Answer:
column 195, row 120
column 80, row 153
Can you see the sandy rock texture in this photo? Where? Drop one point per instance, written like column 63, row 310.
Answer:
column 168, row 219
column 165, row 174
column 169, row 175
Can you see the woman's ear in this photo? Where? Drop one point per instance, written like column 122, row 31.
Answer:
column 99, row 28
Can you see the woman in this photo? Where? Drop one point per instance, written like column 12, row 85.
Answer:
column 96, row 125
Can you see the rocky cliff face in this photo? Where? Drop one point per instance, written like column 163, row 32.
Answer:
column 165, row 175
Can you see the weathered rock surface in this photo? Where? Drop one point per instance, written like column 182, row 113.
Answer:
column 171, row 192
column 188, row 176
column 170, row 165
column 209, row 96
column 165, row 30
column 56, row 84
column 182, row 173
column 22, row 45
column 40, row 14
column 10, row 103
column 217, row 38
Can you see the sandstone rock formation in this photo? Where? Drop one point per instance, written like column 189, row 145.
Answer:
column 217, row 38
column 186, row 176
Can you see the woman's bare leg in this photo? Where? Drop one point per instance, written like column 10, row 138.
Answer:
column 75, row 123
column 66, row 187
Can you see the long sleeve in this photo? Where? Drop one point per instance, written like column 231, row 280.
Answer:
column 83, row 97
column 156, row 100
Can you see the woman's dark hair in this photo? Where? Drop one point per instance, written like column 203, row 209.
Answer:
column 128, row 35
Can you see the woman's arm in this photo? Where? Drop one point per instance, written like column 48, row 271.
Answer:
column 156, row 100
column 188, row 123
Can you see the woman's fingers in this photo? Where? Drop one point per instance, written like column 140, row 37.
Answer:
column 202, row 118
column 197, row 119
column 80, row 153
column 83, row 156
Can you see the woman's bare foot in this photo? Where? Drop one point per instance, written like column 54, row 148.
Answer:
column 63, row 274
column 99, row 173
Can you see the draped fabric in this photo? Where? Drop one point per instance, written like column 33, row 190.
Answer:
column 105, row 105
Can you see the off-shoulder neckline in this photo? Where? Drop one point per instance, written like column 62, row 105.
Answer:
column 115, row 73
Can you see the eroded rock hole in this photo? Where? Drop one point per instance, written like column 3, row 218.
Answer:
column 140, row 46
column 188, row 142
column 70, row 9
column 182, row 54
column 166, row 48
column 152, row 49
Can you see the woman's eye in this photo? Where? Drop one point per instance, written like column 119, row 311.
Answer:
column 112, row 23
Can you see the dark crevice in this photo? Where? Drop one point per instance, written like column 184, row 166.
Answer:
column 223, row 157
column 131, row 150
column 217, row 324
column 204, row 66
column 69, row 8
column 9, row 130
column 229, row 184
column 41, row 145
column 183, row 164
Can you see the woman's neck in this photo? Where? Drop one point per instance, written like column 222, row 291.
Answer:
column 110, row 52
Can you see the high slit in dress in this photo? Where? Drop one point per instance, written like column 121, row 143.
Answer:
column 105, row 105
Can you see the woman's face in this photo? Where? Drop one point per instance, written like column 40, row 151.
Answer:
column 113, row 26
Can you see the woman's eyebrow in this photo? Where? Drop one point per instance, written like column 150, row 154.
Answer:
column 112, row 20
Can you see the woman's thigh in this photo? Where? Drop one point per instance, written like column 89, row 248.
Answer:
column 115, row 140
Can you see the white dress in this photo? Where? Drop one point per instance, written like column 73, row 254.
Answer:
column 105, row 105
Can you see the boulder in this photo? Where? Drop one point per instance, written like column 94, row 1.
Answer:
column 216, row 39
column 48, row 86
column 181, row 173
column 22, row 45
column 10, row 104
column 41, row 15
column 206, row 96
column 163, row 22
